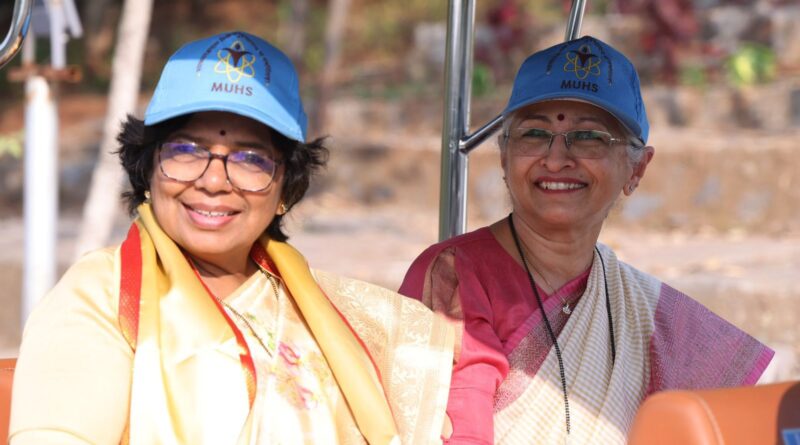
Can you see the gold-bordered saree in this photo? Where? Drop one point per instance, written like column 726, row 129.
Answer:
column 390, row 356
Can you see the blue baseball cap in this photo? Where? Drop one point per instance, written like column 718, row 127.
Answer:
column 584, row 69
column 235, row 72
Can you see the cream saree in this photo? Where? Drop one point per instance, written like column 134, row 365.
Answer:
column 651, row 323
column 390, row 356
column 191, row 373
column 298, row 400
column 603, row 397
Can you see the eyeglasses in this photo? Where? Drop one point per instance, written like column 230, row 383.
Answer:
column 247, row 170
column 584, row 144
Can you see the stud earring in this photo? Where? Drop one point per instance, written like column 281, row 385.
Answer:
column 147, row 196
column 282, row 209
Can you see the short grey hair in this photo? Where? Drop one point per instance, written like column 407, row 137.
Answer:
column 635, row 147
column 505, row 129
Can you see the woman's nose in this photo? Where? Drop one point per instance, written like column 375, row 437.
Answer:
column 558, row 156
column 215, row 178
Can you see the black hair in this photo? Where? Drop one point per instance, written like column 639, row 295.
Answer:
column 139, row 142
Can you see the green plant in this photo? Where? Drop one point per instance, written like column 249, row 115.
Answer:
column 482, row 80
column 693, row 75
column 751, row 64
column 11, row 144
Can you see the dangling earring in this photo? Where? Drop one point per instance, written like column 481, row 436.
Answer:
column 147, row 196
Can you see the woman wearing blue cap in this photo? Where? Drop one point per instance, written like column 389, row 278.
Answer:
column 561, row 341
column 205, row 326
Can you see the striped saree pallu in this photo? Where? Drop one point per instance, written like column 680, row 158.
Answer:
column 663, row 339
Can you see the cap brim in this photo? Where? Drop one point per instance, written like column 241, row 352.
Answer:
column 630, row 125
column 235, row 108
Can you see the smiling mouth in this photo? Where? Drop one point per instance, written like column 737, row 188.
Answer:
column 205, row 219
column 206, row 213
column 212, row 214
column 553, row 185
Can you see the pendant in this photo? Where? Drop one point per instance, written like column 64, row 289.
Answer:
column 565, row 309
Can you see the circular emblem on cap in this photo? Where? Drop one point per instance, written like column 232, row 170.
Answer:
column 235, row 62
column 582, row 62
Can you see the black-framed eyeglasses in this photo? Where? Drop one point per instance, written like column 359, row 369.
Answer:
column 584, row 144
column 247, row 170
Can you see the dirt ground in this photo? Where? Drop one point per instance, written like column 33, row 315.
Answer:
column 717, row 218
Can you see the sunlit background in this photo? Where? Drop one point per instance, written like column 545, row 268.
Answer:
column 717, row 216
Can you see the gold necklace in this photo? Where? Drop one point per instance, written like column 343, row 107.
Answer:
column 268, row 347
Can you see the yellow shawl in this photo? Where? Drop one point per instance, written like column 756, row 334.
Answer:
column 181, row 328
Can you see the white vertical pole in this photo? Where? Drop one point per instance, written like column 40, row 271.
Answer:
column 40, row 194
column 58, row 34
column 29, row 51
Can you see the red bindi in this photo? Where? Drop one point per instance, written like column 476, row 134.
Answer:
column 222, row 133
column 560, row 117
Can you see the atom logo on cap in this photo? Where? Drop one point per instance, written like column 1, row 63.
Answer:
column 230, row 59
column 582, row 63
column 234, row 72
column 584, row 69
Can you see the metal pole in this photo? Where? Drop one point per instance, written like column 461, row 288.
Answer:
column 20, row 20
column 40, row 200
column 472, row 141
column 29, row 51
column 456, row 142
column 58, row 33
column 575, row 20
column 458, row 83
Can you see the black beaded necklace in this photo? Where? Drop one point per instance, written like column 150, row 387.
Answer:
column 547, row 322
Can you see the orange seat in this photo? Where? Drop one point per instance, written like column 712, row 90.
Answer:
column 768, row 414
column 6, row 377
